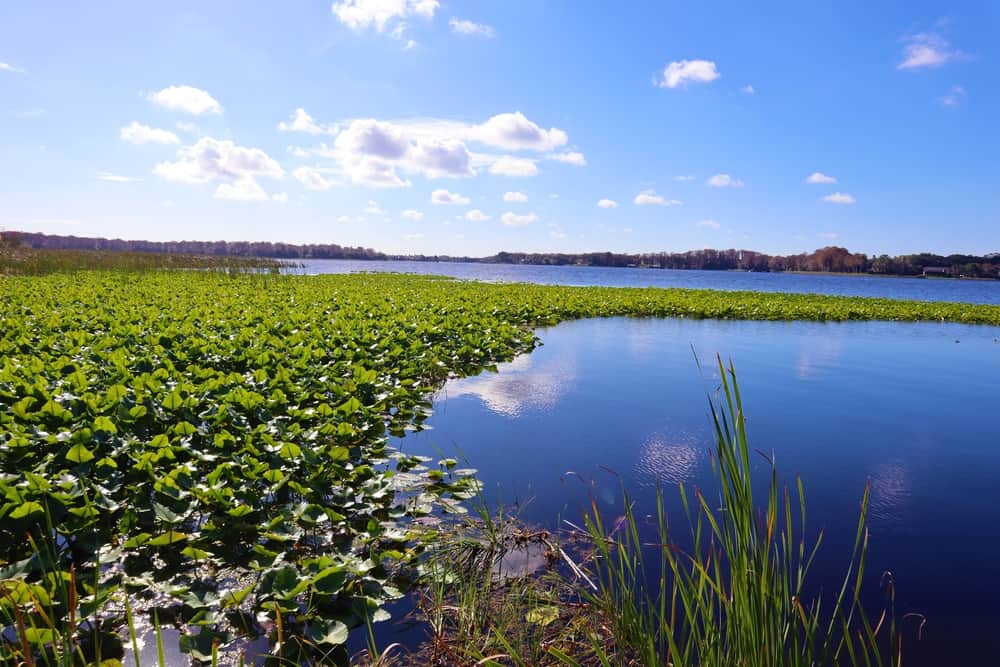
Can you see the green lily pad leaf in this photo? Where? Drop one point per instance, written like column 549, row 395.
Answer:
column 333, row 633
column 26, row 509
column 169, row 537
column 103, row 424
column 79, row 454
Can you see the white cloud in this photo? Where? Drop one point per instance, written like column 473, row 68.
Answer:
column 143, row 134
column 607, row 203
column 724, row 181
column 185, row 126
column 829, row 236
column 927, row 49
column 302, row 122
column 515, row 220
column 412, row 214
column 572, row 157
column 709, row 224
column 373, row 208
column 818, row 177
column 7, row 67
column 513, row 131
column 681, row 72
column 748, row 89
column 115, row 178
column 243, row 189
column 186, row 98
column 515, row 197
column 410, row 44
column 650, row 198
column 475, row 215
column 508, row 165
column 684, row 178
column 235, row 167
column 378, row 153
column 839, row 198
column 464, row 27
column 357, row 14
column 445, row 197
column 556, row 232
column 280, row 197
column 313, row 179
column 436, row 158
column 954, row 96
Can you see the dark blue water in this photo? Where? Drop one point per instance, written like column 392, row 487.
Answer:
column 911, row 409
column 920, row 289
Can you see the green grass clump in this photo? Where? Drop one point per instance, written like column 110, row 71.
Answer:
column 222, row 440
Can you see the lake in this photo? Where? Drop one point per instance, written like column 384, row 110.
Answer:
column 920, row 289
column 910, row 408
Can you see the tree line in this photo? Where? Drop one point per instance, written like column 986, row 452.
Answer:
column 207, row 248
column 831, row 259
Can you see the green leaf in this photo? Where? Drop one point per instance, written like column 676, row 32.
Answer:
column 169, row 537
column 103, row 424
column 79, row 454
column 331, row 632
column 26, row 509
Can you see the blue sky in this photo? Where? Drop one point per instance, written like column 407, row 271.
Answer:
column 471, row 127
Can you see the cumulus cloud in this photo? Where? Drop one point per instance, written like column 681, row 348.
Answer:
column 143, row 134
column 373, row 208
column 377, row 153
column 607, row 203
column 186, row 98
column 412, row 214
column 513, row 131
column 115, row 178
column 710, row 224
column 682, row 72
column 724, row 181
column 748, row 89
column 464, row 27
column 818, row 177
column 515, row 197
column 445, row 197
column 7, row 67
column 358, row 14
column 927, row 50
column 839, row 198
column 301, row 121
column 572, row 157
column 236, row 168
column 508, row 165
column 475, row 215
column 650, row 198
column 515, row 220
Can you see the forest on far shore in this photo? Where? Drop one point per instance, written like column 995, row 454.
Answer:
column 831, row 259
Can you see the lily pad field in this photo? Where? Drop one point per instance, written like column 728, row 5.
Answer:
column 212, row 450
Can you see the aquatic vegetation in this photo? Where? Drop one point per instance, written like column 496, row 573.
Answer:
column 730, row 585
column 214, row 447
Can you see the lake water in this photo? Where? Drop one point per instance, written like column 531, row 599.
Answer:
column 912, row 408
column 933, row 289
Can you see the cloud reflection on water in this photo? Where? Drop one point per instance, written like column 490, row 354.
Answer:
column 518, row 386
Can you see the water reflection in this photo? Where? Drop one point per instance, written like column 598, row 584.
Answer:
column 520, row 385
column 668, row 460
